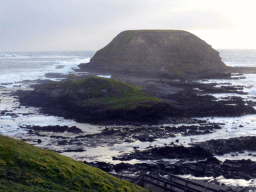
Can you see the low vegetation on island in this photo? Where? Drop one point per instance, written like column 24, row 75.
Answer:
column 93, row 98
column 24, row 167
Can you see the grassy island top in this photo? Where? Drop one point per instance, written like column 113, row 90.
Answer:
column 124, row 37
column 24, row 167
column 98, row 91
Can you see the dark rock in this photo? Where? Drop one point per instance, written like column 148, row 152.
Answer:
column 63, row 142
column 105, row 166
column 170, row 152
column 224, row 146
column 74, row 150
column 121, row 166
column 56, row 128
column 74, row 130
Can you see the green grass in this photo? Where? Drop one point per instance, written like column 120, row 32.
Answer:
column 112, row 94
column 125, row 37
column 24, row 167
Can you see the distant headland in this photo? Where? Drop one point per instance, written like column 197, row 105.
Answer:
column 157, row 52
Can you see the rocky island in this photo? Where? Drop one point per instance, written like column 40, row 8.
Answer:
column 157, row 53
column 96, row 99
column 144, row 62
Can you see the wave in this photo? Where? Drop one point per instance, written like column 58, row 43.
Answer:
column 33, row 73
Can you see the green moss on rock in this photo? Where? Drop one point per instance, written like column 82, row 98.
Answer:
column 96, row 99
column 98, row 91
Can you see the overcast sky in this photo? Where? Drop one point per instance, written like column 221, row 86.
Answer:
column 46, row 25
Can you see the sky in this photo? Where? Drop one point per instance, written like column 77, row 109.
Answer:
column 79, row 25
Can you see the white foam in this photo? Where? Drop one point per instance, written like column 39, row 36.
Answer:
column 70, row 65
column 33, row 74
column 104, row 76
column 237, row 182
column 221, row 179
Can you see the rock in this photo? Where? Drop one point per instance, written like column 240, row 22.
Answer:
column 74, row 130
column 56, row 128
column 157, row 52
column 63, row 142
column 121, row 166
column 105, row 166
column 74, row 150
column 224, row 146
column 213, row 160
column 169, row 152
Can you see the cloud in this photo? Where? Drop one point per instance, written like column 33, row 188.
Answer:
column 196, row 19
column 80, row 25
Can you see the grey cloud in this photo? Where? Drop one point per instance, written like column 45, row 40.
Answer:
column 198, row 19
column 58, row 24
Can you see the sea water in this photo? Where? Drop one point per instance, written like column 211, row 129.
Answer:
column 18, row 67
column 18, row 70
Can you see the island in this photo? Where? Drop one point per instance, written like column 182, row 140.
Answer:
column 157, row 53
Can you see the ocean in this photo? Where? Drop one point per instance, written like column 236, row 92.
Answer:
column 18, row 70
column 19, row 66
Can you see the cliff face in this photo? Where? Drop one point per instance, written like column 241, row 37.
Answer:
column 157, row 51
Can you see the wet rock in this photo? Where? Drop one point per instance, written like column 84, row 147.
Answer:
column 170, row 152
column 144, row 137
column 74, row 130
column 63, row 142
column 105, row 166
column 74, row 150
column 224, row 146
column 122, row 166
column 56, row 128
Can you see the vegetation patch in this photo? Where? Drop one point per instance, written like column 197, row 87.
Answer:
column 107, row 93
column 24, row 167
column 114, row 94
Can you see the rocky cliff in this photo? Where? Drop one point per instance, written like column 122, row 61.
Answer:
column 170, row 52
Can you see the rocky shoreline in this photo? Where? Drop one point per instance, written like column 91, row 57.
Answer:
column 196, row 160
column 190, row 99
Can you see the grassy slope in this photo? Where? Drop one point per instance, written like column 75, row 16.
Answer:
column 107, row 93
column 24, row 167
column 114, row 94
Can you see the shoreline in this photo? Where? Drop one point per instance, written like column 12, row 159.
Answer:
column 71, row 144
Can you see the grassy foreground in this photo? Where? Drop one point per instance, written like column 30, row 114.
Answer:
column 24, row 167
